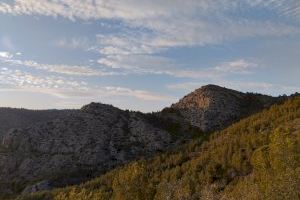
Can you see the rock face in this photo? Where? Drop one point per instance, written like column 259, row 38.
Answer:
column 213, row 107
column 93, row 139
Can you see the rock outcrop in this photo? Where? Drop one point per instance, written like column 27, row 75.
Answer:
column 213, row 107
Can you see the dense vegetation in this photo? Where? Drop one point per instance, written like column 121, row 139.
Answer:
column 256, row 158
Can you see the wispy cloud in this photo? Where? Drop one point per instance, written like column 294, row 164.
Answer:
column 62, row 87
column 155, row 26
column 145, row 64
column 172, row 23
column 74, row 43
column 119, row 64
column 236, row 67
column 19, row 80
column 75, row 70
column 140, row 94
column 138, row 9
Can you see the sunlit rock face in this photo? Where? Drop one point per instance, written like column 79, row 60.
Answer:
column 213, row 107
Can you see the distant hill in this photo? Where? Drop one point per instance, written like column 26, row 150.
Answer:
column 42, row 150
column 256, row 158
column 77, row 147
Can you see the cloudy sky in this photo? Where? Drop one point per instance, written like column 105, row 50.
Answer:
column 144, row 54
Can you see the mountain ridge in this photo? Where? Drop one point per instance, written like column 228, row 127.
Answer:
column 99, row 137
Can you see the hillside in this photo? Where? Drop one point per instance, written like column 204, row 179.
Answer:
column 256, row 158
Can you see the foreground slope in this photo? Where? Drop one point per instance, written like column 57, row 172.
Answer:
column 256, row 158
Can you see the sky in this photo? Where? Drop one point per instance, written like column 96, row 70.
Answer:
column 144, row 54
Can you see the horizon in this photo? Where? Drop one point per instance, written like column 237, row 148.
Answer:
column 144, row 55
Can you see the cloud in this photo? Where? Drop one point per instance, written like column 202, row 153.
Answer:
column 16, row 80
column 240, row 66
column 139, row 9
column 128, row 43
column 151, row 27
column 148, row 64
column 237, row 67
column 74, row 43
column 19, row 80
column 74, row 70
column 172, row 23
column 123, row 64
column 138, row 63
column 140, row 94
column 5, row 55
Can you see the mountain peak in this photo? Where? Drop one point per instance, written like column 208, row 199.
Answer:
column 211, row 86
column 214, row 88
column 212, row 107
column 98, row 108
column 93, row 105
column 205, row 95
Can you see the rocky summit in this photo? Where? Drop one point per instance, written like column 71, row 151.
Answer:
column 213, row 107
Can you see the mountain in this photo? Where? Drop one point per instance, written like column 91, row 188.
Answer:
column 74, row 146
column 213, row 107
column 82, row 144
column 256, row 158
